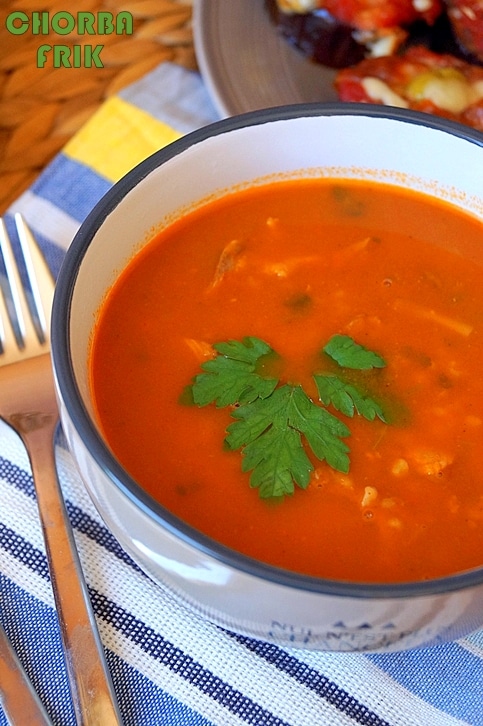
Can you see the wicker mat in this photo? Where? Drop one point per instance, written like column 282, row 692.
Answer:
column 42, row 107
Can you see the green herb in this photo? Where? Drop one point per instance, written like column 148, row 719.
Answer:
column 231, row 378
column 349, row 354
column 277, row 425
column 346, row 398
column 269, row 433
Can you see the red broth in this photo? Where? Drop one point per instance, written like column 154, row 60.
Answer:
column 294, row 263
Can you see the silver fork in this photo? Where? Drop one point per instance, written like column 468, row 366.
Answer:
column 28, row 405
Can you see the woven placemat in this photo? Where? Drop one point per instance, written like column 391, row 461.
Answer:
column 42, row 107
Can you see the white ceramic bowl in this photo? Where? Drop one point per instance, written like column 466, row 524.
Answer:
column 435, row 156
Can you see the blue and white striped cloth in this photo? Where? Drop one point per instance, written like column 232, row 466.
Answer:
column 170, row 667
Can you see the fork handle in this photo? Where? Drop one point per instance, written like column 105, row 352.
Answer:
column 92, row 690
column 19, row 699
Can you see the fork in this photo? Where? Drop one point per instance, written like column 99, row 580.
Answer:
column 28, row 405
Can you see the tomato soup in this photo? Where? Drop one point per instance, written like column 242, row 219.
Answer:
column 293, row 264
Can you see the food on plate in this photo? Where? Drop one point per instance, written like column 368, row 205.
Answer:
column 418, row 79
column 318, row 35
column 466, row 17
column 304, row 383
column 417, row 54
column 361, row 27
column 369, row 14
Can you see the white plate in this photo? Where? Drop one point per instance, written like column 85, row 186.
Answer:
column 246, row 65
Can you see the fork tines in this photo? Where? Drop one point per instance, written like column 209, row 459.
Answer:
column 27, row 291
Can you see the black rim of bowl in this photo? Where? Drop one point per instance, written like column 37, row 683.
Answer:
column 61, row 354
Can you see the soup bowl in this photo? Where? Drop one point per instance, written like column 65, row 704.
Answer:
column 398, row 147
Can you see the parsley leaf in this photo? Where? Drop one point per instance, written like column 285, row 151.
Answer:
column 322, row 430
column 349, row 354
column 275, row 455
column 277, row 426
column 269, row 434
column 231, row 377
column 346, row 398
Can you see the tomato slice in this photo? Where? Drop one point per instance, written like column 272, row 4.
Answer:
column 373, row 14
column 419, row 79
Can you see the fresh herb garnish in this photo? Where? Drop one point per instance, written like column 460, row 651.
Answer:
column 275, row 425
column 349, row 354
column 232, row 378
column 269, row 433
column 346, row 398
